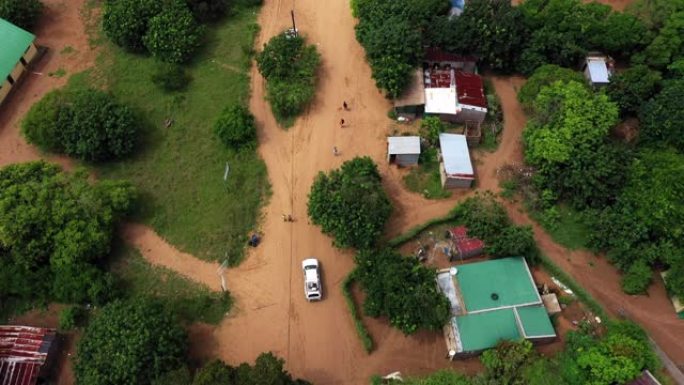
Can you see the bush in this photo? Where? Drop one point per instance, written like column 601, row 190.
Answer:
column 235, row 126
column 401, row 289
column 350, row 203
column 173, row 35
column 361, row 330
column 631, row 88
column 55, row 228
column 289, row 66
column 89, row 125
column 170, row 77
column 130, row 343
column 542, row 77
column 22, row 13
column 638, row 278
column 430, row 128
column 208, row 10
column 71, row 317
column 662, row 118
column 125, row 22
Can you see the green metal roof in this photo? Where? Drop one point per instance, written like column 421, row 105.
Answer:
column 481, row 331
column 508, row 278
column 15, row 41
column 535, row 321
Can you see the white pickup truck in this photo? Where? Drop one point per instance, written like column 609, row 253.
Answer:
column 313, row 290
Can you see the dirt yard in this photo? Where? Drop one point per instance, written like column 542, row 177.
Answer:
column 318, row 340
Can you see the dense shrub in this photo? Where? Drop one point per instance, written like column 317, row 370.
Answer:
column 130, row 343
column 289, row 66
column 542, row 77
column 487, row 219
column 637, row 278
column 662, row 118
column 208, row 10
column 170, row 77
column 350, row 203
column 430, row 128
column 87, row 124
column 235, row 126
column 125, row 22
column 633, row 87
column 401, row 289
column 55, row 229
column 71, row 317
column 22, row 13
column 173, row 35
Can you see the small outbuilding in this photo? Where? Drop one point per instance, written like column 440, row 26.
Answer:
column 597, row 69
column 17, row 52
column 403, row 150
column 456, row 169
column 26, row 354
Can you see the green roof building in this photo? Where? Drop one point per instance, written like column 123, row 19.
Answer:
column 492, row 301
column 18, row 50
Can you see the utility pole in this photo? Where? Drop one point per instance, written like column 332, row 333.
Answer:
column 294, row 26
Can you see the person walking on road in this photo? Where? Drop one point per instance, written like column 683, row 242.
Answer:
column 335, row 152
column 341, row 122
column 345, row 106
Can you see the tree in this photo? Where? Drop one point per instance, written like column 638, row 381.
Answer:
column 87, row 124
column 633, row 87
column 208, row 10
column 506, row 362
column 125, row 22
column 544, row 76
column 620, row 34
column 267, row 370
column 500, row 24
column 350, row 203
column 289, row 66
column 235, row 126
column 667, row 46
column 130, row 343
column 638, row 278
column 55, row 228
column 662, row 118
column 401, row 289
column 22, row 13
column 430, row 128
column 654, row 13
column 173, row 35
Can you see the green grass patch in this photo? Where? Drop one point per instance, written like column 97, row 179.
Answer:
column 361, row 330
column 60, row 72
column 425, row 178
column 566, row 226
column 179, row 167
column 189, row 300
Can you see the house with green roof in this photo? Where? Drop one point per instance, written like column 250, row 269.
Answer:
column 18, row 50
column 492, row 301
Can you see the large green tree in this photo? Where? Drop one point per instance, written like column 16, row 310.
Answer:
column 173, row 35
column 662, row 118
column 22, row 13
column 350, row 203
column 668, row 45
column 87, row 124
column 268, row 369
column 55, row 230
column 130, row 343
column 125, row 22
column 631, row 88
column 542, row 77
column 401, row 289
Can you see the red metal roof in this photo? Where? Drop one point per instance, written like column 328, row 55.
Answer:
column 470, row 89
column 23, row 351
column 436, row 54
column 459, row 232
column 470, row 246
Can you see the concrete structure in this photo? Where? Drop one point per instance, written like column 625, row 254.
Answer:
column 492, row 301
column 455, row 167
column 25, row 354
column 16, row 53
column 598, row 69
column 551, row 303
column 403, row 150
column 454, row 95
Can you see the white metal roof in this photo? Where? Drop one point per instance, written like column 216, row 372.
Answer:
column 403, row 145
column 440, row 100
column 598, row 71
column 455, row 154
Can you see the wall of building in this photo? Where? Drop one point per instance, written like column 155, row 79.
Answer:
column 453, row 182
column 406, row 159
column 19, row 70
column 471, row 115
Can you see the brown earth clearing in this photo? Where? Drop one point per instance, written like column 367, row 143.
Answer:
column 318, row 340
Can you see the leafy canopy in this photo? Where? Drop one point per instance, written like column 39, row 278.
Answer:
column 22, row 13
column 130, row 343
column 350, row 203
column 401, row 289
column 542, row 77
column 173, row 35
column 662, row 118
column 88, row 124
column 235, row 126
column 55, row 229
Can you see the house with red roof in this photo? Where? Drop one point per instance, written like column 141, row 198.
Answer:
column 25, row 354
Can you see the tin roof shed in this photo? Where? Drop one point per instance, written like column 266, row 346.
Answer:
column 455, row 155
column 399, row 145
